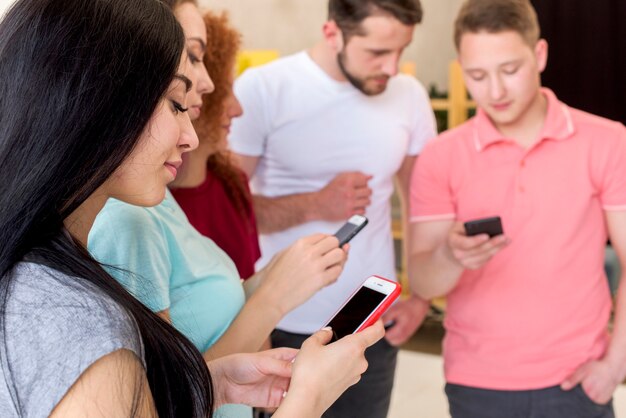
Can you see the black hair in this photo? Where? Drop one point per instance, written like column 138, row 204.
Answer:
column 348, row 14
column 79, row 82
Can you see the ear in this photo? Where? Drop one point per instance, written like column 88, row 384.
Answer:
column 541, row 54
column 333, row 35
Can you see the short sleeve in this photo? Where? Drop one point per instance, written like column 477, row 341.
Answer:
column 249, row 131
column 613, row 187
column 425, row 128
column 54, row 329
column 430, row 193
column 131, row 243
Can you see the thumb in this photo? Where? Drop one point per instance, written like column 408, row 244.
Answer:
column 321, row 337
column 371, row 334
column 573, row 380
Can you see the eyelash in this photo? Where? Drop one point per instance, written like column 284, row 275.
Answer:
column 193, row 58
column 178, row 107
column 511, row 72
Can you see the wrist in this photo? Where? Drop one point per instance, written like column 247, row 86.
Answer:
column 447, row 255
column 219, row 391
column 617, row 365
column 300, row 405
column 266, row 302
column 313, row 209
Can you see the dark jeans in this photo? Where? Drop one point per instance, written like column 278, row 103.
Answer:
column 370, row 397
column 552, row 402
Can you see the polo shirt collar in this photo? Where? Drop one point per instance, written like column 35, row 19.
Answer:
column 557, row 126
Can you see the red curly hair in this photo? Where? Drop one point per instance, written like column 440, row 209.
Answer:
column 223, row 42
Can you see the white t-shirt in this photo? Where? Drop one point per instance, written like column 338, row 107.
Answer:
column 307, row 128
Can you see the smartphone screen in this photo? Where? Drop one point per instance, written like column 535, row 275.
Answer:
column 355, row 312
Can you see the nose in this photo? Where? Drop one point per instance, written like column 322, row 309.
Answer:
column 204, row 83
column 188, row 139
column 391, row 65
column 496, row 88
column 233, row 106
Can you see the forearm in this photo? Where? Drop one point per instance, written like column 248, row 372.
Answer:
column 249, row 330
column 434, row 273
column 275, row 214
column 616, row 354
column 253, row 282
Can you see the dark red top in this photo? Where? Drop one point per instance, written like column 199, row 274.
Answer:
column 212, row 213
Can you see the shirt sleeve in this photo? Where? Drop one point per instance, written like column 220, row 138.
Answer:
column 249, row 132
column 55, row 330
column 132, row 245
column 425, row 128
column 431, row 197
column 613, row 188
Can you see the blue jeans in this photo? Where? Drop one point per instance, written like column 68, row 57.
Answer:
column 370, row 398
column 552, row 402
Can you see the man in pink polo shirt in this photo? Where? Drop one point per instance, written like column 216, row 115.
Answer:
column 527, row 316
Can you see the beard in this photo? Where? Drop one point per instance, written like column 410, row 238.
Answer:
column 358, row 83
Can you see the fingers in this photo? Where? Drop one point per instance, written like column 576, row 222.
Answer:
column 473, row 252
column 358, row 178
column 275, row 367
column 326, row 245
column 282, row 353
column 370, row 335
column 318, row 245
column 574, row 379
column 395, row 335
column 330, row 275
column 313, row 238
column 320, row 338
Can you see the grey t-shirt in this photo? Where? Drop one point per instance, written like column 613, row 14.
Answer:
column 54, row 329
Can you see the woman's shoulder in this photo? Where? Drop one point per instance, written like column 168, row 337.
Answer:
column 54, row 327
column 36, row 289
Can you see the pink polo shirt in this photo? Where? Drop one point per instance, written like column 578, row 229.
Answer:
column 540, row 307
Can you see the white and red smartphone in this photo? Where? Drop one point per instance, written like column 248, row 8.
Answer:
column 364, row 307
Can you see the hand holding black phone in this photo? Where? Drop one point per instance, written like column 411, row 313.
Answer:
column 491, row 226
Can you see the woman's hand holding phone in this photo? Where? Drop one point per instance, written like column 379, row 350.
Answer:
column 255, row 379
column 299, row 271
column 473, row 252
column 321, row 372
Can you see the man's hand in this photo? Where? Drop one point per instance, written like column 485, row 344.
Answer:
column 346, row 195
column 256, row 379
column 597, row 378
column 407, row 315
column 473, row 252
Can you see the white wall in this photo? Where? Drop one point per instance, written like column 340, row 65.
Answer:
column 4, row 5
column 292, row 25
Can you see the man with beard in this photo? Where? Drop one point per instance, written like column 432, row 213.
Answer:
column 323, row 134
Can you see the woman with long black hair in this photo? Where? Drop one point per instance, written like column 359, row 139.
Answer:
column 92, row 106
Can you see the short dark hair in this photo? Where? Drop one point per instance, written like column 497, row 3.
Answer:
column 348, row 14
column 495, row 16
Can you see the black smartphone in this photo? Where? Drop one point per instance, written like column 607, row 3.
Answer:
column 350, row 229
column 491, row 226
